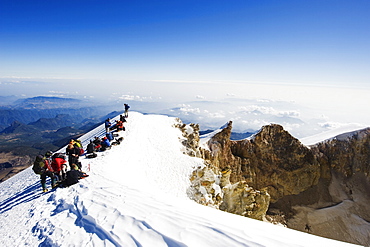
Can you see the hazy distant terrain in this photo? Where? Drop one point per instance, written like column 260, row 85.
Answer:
column 34, row 125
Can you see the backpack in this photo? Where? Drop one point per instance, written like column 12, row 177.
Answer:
column 78, row 144
column 38, row 165
column 59, row 155
column 109, row 136
column 91, row 156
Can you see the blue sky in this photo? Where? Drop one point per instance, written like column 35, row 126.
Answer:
column 294, row 41
column 253, row 62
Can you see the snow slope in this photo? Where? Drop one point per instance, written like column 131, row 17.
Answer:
column 135, row 196
column 339, row 130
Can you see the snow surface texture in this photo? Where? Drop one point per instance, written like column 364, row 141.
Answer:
column 135, row 196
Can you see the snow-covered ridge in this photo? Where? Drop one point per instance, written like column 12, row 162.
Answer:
column 135, row 196
column 341, row 132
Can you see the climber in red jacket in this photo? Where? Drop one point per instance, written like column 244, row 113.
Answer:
column 59, row 168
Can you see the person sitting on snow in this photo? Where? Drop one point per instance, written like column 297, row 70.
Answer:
column 105, row 144
column 120, row 125
column 109, row 136
column 73, row 176
column 90, row 149
column 97, row 144
column 122, row 118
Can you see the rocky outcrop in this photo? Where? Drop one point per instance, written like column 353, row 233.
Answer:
column 211, row 185
column 310, row 188
column 191, row 138
column 348, row 153
column 205, row 187
column 241, row 199
column 272, row 159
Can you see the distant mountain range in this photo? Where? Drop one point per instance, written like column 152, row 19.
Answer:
column 42, row 102
column 33, row 109
column 32, row 126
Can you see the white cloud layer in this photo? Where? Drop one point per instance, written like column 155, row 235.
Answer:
column 304, row 110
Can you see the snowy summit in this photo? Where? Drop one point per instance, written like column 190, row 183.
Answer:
column 136, row 195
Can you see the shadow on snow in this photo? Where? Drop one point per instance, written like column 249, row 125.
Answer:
column 30, row 193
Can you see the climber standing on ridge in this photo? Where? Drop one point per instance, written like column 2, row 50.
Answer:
column 108, row 124
column 73, row 154
column 127, row 107
column 42, row 167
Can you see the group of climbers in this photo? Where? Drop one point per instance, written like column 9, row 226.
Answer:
column 102, row 144
column 55, row 165
column 117, row 126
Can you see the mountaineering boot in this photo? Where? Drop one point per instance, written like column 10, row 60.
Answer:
column 54, row 183
column 44, row 189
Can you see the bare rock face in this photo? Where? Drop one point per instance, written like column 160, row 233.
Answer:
column 348, row 153
column 272, row 159
column 241, row 199
column 191, row 138
column 205, row 188
column 213, row 188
